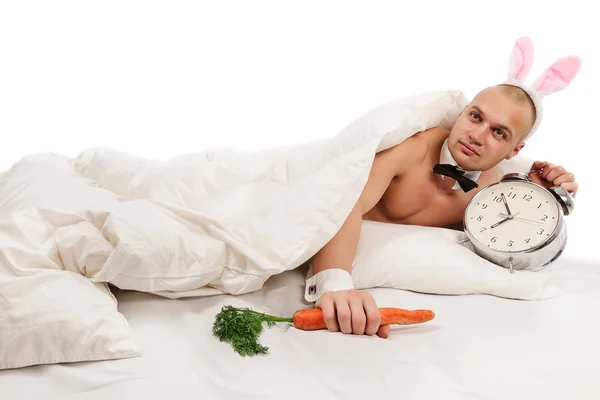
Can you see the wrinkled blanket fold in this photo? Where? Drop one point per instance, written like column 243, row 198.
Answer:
column 217, row 221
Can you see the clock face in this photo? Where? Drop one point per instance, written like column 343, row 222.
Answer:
column 512, row 216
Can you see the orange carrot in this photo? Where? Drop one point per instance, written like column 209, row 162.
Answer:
column 312, row 319
column 242, row 326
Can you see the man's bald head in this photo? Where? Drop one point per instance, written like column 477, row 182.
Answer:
column 518, row 96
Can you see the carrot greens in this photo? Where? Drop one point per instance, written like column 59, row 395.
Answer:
column 241, row 327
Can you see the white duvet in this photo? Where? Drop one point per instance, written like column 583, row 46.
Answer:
column 204, row 223
column 213, row 222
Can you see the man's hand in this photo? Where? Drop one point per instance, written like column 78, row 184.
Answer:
column 352, row 311
column 553, row 175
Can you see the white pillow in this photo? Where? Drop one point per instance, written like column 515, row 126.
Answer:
column 54, row 316
column 48, row 314
column 430, row 260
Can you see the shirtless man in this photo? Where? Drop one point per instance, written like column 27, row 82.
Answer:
column 490, row 129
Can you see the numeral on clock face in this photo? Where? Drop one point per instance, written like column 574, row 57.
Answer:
column 512, row 216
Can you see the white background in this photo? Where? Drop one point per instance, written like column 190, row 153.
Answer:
column 158, row 78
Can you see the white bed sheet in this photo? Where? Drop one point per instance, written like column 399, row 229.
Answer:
column 477, row 347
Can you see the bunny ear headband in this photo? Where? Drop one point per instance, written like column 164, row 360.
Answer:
column 554, row 78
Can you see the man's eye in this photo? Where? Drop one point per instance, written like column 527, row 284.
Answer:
column 498, row 131
column 475, row 115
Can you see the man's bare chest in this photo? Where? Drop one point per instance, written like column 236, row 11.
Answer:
column 417, row 198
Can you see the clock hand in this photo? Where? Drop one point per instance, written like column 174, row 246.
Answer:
column 508, row 217
column 521, row 219
column 505, row 203
column 500, row 223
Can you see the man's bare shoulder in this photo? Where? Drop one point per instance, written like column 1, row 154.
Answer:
column 434, row 137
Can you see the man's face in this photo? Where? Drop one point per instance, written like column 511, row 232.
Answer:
column 489, row 130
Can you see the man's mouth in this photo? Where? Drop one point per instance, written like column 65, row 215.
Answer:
column 467, row 148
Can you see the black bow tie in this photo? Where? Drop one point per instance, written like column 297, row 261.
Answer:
column 454, row 172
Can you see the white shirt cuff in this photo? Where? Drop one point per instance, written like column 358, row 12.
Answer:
column 325, row 281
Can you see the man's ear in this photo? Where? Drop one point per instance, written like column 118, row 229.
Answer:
column 515, row 151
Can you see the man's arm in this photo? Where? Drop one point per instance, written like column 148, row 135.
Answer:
column 340, row 250
column 345, row 309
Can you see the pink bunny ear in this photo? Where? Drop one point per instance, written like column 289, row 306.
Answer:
column 557, row 76
column 521, row 59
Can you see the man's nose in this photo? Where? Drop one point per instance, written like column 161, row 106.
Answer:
column 477, row 133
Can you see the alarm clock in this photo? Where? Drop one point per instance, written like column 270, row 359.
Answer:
column 518, row 224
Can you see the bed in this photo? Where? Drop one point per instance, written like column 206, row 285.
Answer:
column 182, row 238
column 477, row 347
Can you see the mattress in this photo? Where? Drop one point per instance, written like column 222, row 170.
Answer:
column 477, row 347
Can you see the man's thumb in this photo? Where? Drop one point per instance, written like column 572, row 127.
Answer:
column 383, row 331
column 539, row 164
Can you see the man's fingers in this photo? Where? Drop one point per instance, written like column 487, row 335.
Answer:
column 352, row 312
column 555, row 174
column 326, row 304
column 373, row 316
column 359, row 319
column 344, row 315
column 570, row 187
column 566, row 177
column 547, row 169
column 383, row 331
